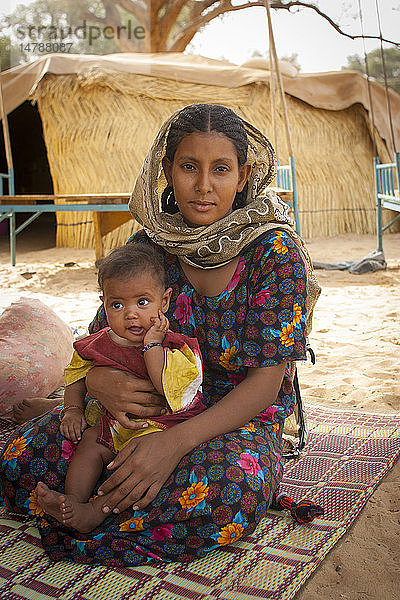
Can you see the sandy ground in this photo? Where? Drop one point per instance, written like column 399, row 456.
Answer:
column 356, row 338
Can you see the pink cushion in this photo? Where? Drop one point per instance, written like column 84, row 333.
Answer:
column 35, row 347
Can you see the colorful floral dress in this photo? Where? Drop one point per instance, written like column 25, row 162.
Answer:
column 220, row 490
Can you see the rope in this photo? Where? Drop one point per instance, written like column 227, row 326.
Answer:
column 385, row 77
column 371, row 107
column 279, row 77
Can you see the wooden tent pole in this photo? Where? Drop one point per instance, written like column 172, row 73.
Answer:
column 273, row 100
column 6, row 131
column 385, row 79
column 371, row 106
column 279, row 77
column 7, row 144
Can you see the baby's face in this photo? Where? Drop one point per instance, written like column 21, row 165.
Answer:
column 131, row 306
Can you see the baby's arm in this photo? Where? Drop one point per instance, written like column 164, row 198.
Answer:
column 154, row 357
column 73, row 422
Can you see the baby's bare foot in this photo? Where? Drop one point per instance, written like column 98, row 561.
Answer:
column 82, row 516
column 49, row 500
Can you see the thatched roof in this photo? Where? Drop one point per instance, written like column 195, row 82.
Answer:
column 100, row 115
column 331, row 90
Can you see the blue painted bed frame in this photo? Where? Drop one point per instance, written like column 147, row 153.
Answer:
column 386, row 196
column 286, row 180
column 8, row 211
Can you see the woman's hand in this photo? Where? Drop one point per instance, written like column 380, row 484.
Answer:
column 125, row 395
column 141, row 469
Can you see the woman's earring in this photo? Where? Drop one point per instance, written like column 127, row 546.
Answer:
column 168, row 202
column 240, row 198
column 171, row 198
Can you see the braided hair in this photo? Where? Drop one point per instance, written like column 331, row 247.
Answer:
column 206, row 118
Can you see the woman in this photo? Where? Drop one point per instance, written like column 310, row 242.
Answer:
column 243, row 285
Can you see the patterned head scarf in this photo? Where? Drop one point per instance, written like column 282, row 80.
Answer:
column 211, row 246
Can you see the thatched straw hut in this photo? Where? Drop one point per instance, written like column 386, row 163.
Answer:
column 100, row 113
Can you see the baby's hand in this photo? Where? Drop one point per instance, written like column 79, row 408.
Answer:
column 72, row 424
column 157, row 331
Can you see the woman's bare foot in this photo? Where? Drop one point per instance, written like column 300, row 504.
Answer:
column 33, row 407
column 82, row 516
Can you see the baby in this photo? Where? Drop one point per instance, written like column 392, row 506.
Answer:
column 135, row 298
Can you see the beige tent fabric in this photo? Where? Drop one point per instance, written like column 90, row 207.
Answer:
column 258, row 62
column 339, row 90
column 332, row 91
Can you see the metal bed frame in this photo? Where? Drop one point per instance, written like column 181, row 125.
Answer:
column 286, row 180
column 96, row 203
column 387, row 195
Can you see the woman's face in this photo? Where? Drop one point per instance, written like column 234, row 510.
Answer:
column 205, row 175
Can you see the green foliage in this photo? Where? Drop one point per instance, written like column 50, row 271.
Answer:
column 41, row 27
column 392, row 64
column 257, row 54
column 5, row 52
column 293, row 58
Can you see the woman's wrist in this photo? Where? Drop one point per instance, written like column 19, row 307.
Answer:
column 182, row 438
column 186, row 436
column 94, row 379
column 73, row 410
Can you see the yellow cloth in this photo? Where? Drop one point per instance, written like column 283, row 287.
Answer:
column 93, row 412
column 181, row 377
column 77, row 369
column 122, row 436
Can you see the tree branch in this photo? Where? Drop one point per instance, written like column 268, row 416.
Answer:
column 135, row 8
column 113, row 19
column 199, row 13
column 188, row 33
column 226, row 6
column 171, row 14
column 292, row 4
column 169, row 20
